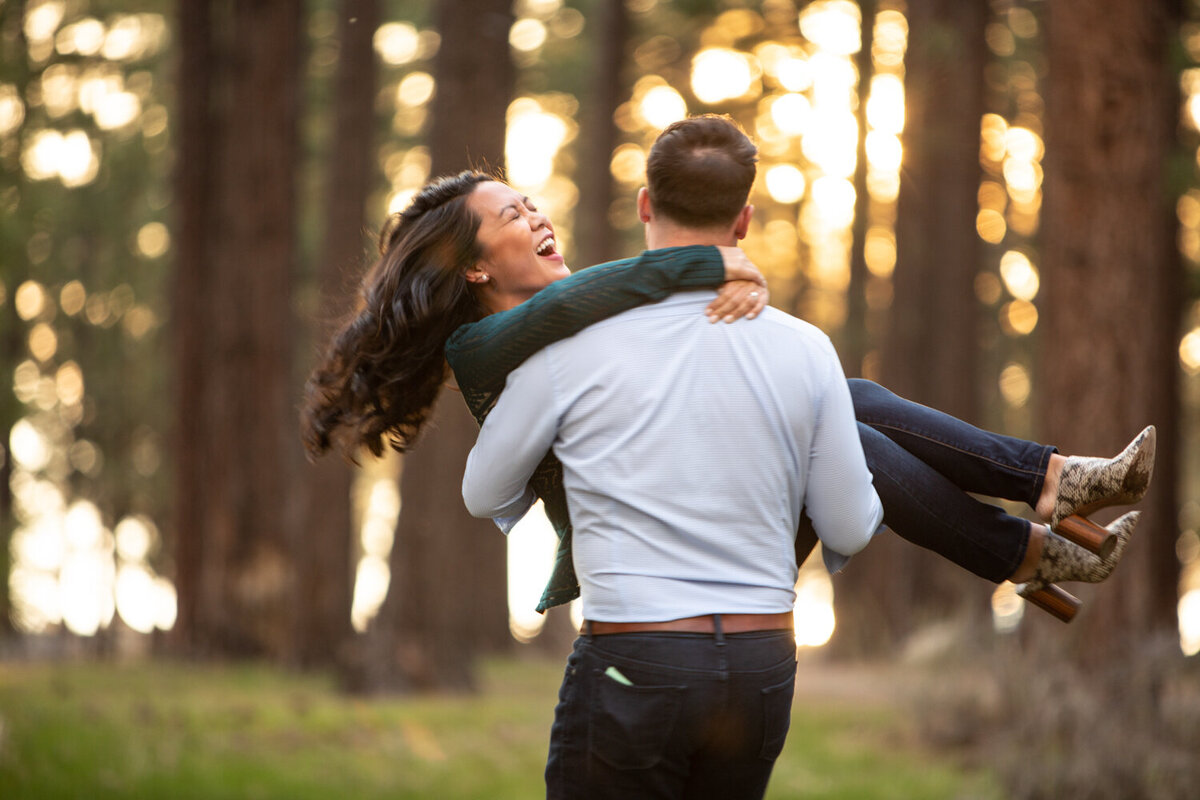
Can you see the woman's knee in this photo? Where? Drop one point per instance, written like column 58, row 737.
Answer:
column 866, row 394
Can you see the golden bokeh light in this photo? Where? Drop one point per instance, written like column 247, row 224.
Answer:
column 832, row 142
column 1007, row 608
column 72, row 298
column 885, row 105
column 884, row 151
column 662, row 105
column 1189, row 622
column 993, row 137
column 416, row 89
column 12, row 109
column 84, row 37
column 879, row 251
column 1015, row 385
column 834, row 198
column 153, row 240
column 538, row 8
column 833, row 25
column 628, row 164
column 527, row 35
column 117, row 110
column 720, row 74
column 43, row 342
column 59, row 89
column 1189, row 352
column 813, row 611
column 533, row 139
column 791, row 113
column 785, row 183
column 68, row 381
column 42, row 19
column 1018, row 318
column 990, row 225
column 397, row 43
column 1019, row 274
column 891, row 39
column 794, row 74
column 30, row 300
column 30, row 448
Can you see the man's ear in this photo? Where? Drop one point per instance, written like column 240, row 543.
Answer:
column 742, row 227
column 476, row 274
column 643, row 204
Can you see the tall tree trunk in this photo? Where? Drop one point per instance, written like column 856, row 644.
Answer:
column 932, row 345
column 233, row 329
column 596, row 242
column 324, row 565
column 448, row 601
column 1112, row 283
column 14, row 263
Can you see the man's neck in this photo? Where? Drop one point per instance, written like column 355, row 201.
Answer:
column 659, row 236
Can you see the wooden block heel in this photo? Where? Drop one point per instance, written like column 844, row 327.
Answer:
column 1055, row 601
column 1088, row 535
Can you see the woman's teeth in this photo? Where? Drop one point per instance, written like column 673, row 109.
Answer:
column 546, row 247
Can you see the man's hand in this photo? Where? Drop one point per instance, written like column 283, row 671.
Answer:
column 744, row 293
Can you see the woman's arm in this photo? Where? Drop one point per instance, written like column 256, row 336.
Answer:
column 483, row 353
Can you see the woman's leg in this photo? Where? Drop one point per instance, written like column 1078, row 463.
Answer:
column 925, row 507
column 975, row 460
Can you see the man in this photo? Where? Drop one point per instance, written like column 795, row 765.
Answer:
column 688, row 451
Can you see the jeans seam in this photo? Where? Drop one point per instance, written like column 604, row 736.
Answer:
column 956, row 448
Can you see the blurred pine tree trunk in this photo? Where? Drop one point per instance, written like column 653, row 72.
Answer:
column 931, row 350
column 232, row 325
column 448, row 602
column 324, row 554
column 1111, row 297
column 597, row 242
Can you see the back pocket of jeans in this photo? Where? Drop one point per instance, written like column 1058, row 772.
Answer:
column 777, row 716
column 632, row 725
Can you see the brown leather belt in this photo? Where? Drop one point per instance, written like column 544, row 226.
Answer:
column 730, row 623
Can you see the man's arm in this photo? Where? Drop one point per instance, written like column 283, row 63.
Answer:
column 483, row 353
column 513, row 440
column 840, row 498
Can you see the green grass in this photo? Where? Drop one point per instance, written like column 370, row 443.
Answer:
column 175, row 731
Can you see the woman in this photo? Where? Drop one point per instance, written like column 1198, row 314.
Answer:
column 472, row 262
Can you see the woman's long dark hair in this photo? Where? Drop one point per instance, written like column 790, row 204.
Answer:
column 383, row 368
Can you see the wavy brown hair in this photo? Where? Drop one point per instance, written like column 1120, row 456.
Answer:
column 384, row 366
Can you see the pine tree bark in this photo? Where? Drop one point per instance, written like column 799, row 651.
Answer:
column 325, row 568
column 448, row 602
column 931, row 350
column 239, row 95
column 596, row 243
column 1110, row 304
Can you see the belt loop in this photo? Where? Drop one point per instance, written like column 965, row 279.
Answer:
column 587, row 628
column 718, row 630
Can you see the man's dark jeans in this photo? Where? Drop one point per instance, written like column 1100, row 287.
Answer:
column 671, row 715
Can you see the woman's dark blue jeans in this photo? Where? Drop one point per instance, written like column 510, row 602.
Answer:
column 924, row 462
column 686, row 716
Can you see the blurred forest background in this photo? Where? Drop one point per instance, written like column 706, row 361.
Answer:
column 993, row 207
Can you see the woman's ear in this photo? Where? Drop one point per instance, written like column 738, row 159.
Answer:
column 476, row 274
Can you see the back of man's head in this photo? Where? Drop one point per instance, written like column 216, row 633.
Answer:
column 700, row 171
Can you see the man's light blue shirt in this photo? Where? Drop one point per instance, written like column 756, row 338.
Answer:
column 688, row 451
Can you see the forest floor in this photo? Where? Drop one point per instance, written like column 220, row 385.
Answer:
column 155, row 729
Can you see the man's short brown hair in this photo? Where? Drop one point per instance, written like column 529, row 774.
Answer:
column 700, row 171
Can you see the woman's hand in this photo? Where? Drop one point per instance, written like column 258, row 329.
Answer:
column 737, row 299
column 744, row 293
